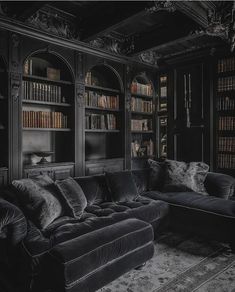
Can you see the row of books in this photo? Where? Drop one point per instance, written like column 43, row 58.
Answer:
column 42, row 119
column 101, row 122
column 225, row 103
column 141, row 105
column 139, row 88
column 226, row 83
column 88, row 78
column 163, row 91
column 100, row 100
column 42, row 92
column 226, row 144
column 226, row 65
column 141, row 125
column 162, row 106
column 142, row 148
column 227, row 123
column 226, row 161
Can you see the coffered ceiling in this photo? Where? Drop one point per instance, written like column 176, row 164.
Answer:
column 148, row 30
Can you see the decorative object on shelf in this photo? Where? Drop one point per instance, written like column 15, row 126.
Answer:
column 53, row 74
column 43, row 155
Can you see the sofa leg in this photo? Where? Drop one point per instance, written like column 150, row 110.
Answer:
column 140, row 267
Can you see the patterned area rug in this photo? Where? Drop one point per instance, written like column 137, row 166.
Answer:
column 182, row 264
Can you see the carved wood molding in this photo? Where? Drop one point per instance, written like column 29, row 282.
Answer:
column 166, row 5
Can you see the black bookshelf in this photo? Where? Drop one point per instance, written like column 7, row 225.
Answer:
column 47, row 110
column 225, row 115
column 104, row 117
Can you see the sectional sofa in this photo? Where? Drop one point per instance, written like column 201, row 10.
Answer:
column 94, row 240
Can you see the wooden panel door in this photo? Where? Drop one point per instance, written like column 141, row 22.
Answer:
column 186, row 119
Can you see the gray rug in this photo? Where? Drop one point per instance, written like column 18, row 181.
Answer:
column 182, row 264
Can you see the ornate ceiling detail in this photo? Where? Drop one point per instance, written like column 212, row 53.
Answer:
column 166, row 5
column 150, row 57
column 222, row 24
column 114, row 43
column 54, row 22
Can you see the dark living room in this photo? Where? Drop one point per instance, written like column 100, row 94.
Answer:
column 117, row 146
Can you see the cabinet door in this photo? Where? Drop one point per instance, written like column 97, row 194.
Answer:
column 187, row 139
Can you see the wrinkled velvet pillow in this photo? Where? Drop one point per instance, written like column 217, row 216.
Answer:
column 157, row 175
column 122, row 186
column 191, row 175
column 74, row 196
column 39, row 199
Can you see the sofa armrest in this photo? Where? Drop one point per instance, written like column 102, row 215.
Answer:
column 13, row 225
column 220, row 185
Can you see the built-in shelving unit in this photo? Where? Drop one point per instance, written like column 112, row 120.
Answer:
column 225, row 118
column 142, row 118
column 104, row 121
column 47, row 109
column 3, row 122
column 162, row 115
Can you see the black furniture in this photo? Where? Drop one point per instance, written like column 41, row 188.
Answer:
column 110, row 238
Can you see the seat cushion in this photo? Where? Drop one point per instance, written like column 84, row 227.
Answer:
column 196, row 201
column 84, row 256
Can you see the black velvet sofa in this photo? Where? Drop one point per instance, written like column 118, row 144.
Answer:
column 113, row 235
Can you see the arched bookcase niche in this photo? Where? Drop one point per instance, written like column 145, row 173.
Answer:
column 3, row 113
column 47, row 109
column 104, row 115
column 143, row 134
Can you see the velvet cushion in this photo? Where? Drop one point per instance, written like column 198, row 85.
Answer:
column 74, row 196
column 39, row 199
column 122, row 186
column 192, row 175
column 157, row 174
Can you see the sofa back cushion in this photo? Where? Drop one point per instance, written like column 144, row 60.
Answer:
column 39, row 199
column 73, row 195
column 94, row 188
column 122, row 186
column 141, row 178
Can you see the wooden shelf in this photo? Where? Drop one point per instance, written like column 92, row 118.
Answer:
column 141, row 113
column 47, row 129
column 142, row 95
column 142, row 132
column 226, row 73
column 101, row 109
column 101, row 131
column 100, row 88
column 33, row 77
column 37, row 102
column 226, row 152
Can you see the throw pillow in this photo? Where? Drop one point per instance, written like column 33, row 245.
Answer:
column 157, row 175
column 192, row 175
column 122, row 186
column 38, row 197
column 74, row 196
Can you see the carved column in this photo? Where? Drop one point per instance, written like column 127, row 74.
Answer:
column 79, row 116
column 15, row 79
column 128, row 79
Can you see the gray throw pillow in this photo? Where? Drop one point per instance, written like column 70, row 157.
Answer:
column 192, row 175
column 38, row 197
column 74, row 196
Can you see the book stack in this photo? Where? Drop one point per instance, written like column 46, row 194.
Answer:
column 163, row 121
column 226, row 144
column 141, row 125
column 226, row 161
column 226, row 83
column 43, row 119
column 142, row 148
column 139, row 88
column 226, row 65
column 227, row 123
column 140, row 105
column 225, row 103
column 163, row 106
column 42, row 92
column 95, row 99
column 101, row 122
